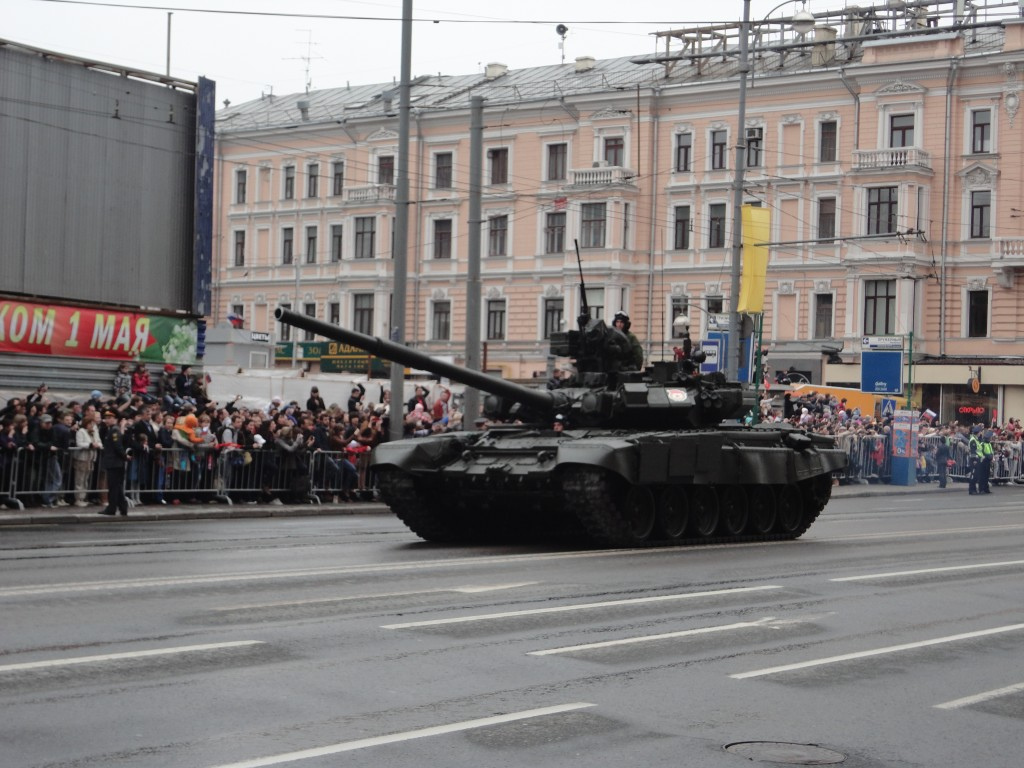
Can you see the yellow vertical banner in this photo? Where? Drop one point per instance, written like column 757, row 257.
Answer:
column 756, row 229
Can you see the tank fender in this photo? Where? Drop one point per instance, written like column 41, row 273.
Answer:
column 431, row 452
column 618, row 456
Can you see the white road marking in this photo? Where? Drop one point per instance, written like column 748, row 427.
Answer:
column 576, row 607
column 379, row 595
column 978, row 698
column 418, row 565
column 376, row 741
column 877, row 652
column 128, row 655
column 918, row 534
column 649, row 638
column 945, row 569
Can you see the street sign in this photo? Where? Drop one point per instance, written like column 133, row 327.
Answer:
column 881, row 373
column 711, row 349
column 888, row 407
column 882, row 342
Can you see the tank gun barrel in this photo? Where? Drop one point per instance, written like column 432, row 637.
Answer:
column 539, row 400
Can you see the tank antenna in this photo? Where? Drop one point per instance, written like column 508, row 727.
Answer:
column 584, row 318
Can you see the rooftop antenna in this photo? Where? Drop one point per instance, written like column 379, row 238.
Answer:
column 308, row 58
column 562, row 31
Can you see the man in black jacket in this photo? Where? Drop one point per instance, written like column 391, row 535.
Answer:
column 115, row 454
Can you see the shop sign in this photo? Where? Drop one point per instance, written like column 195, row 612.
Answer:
column 49, row 329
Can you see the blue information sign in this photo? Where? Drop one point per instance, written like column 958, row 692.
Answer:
column 881, row 373
column 716, row 346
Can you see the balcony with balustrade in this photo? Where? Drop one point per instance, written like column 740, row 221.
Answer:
column 898, row 159
column 602, row 176
column 373, row 193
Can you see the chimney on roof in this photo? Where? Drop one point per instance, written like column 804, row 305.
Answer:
column 494, row 70
column 585, row 63
column 303, row 106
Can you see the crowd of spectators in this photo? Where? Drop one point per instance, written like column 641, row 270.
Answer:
column 186, row 447
column 866, row 435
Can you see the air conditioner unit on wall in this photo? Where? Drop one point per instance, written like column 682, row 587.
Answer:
column 601, row 164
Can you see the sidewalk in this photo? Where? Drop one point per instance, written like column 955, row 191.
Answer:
column 214, row 511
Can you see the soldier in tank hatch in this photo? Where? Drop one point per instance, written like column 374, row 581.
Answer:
column 621, row 323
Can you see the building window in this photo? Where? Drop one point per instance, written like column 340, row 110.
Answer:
column 311, row 245
column 558, row 158
column 595, row 302
column 901, row 131
column 823, row 316
column 241, row 181
column 336, row 242
column 716, row 225
column 284, row 331
column 719, row 150
column 309, row 310
column 238, row 310
column 977, row 314
column 499, row 165
column 882, row 210
column 362, row 313
column 826, row 217
column 442, row 238
column 442, row 324
column 366, row 232
column 394, row 227
column 386, row 169
column 554, row 233
column 684, row 151
column 827, row 147
column 593, row 225
column 681, row 238
column 497, row 235
column 981, row 131
column 289, row 182
column 715, row 304
column 334, row 313
column 680, row 308
column 755, row 147
column 240, row 248
column 552, row 316
column 495, row 319
column 337, row 178
column 615, row 150
column 981, row 213
column 879, row 307
column 313, row 180
column 287, row 245
column 443, row 170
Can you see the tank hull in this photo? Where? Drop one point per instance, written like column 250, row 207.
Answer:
column 609, row 488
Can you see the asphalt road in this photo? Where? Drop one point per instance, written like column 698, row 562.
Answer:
column 890, row 635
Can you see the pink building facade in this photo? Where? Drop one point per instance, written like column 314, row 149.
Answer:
column 889, row 151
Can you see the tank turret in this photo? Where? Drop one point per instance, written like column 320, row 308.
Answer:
column 603, row 391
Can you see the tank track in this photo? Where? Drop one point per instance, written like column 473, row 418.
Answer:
column 590, row 494
column 423, row 516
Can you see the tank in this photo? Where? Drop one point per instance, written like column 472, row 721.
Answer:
column 609, row 457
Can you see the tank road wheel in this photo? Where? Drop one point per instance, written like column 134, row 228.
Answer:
column 704, row 510
column 817, row 492
column 762, row 508
column 790, row 516
column 673, row 512
column 733, row 509
column 638, row 513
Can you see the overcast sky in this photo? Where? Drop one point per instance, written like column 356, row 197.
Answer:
column 259, row 47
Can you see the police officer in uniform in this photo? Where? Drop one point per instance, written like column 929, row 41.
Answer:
column 975, row 454
column 112, row 460
column 621, row 322
column 986, row 461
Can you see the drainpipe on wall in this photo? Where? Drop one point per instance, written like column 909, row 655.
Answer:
column 947, row 141
column 655, row 175
column 414, row 262
column 856, row 109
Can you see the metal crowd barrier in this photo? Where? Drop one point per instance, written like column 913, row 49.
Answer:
column 178, row 475
column 870, row 460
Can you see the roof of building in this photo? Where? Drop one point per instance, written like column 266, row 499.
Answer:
column 703, row 55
